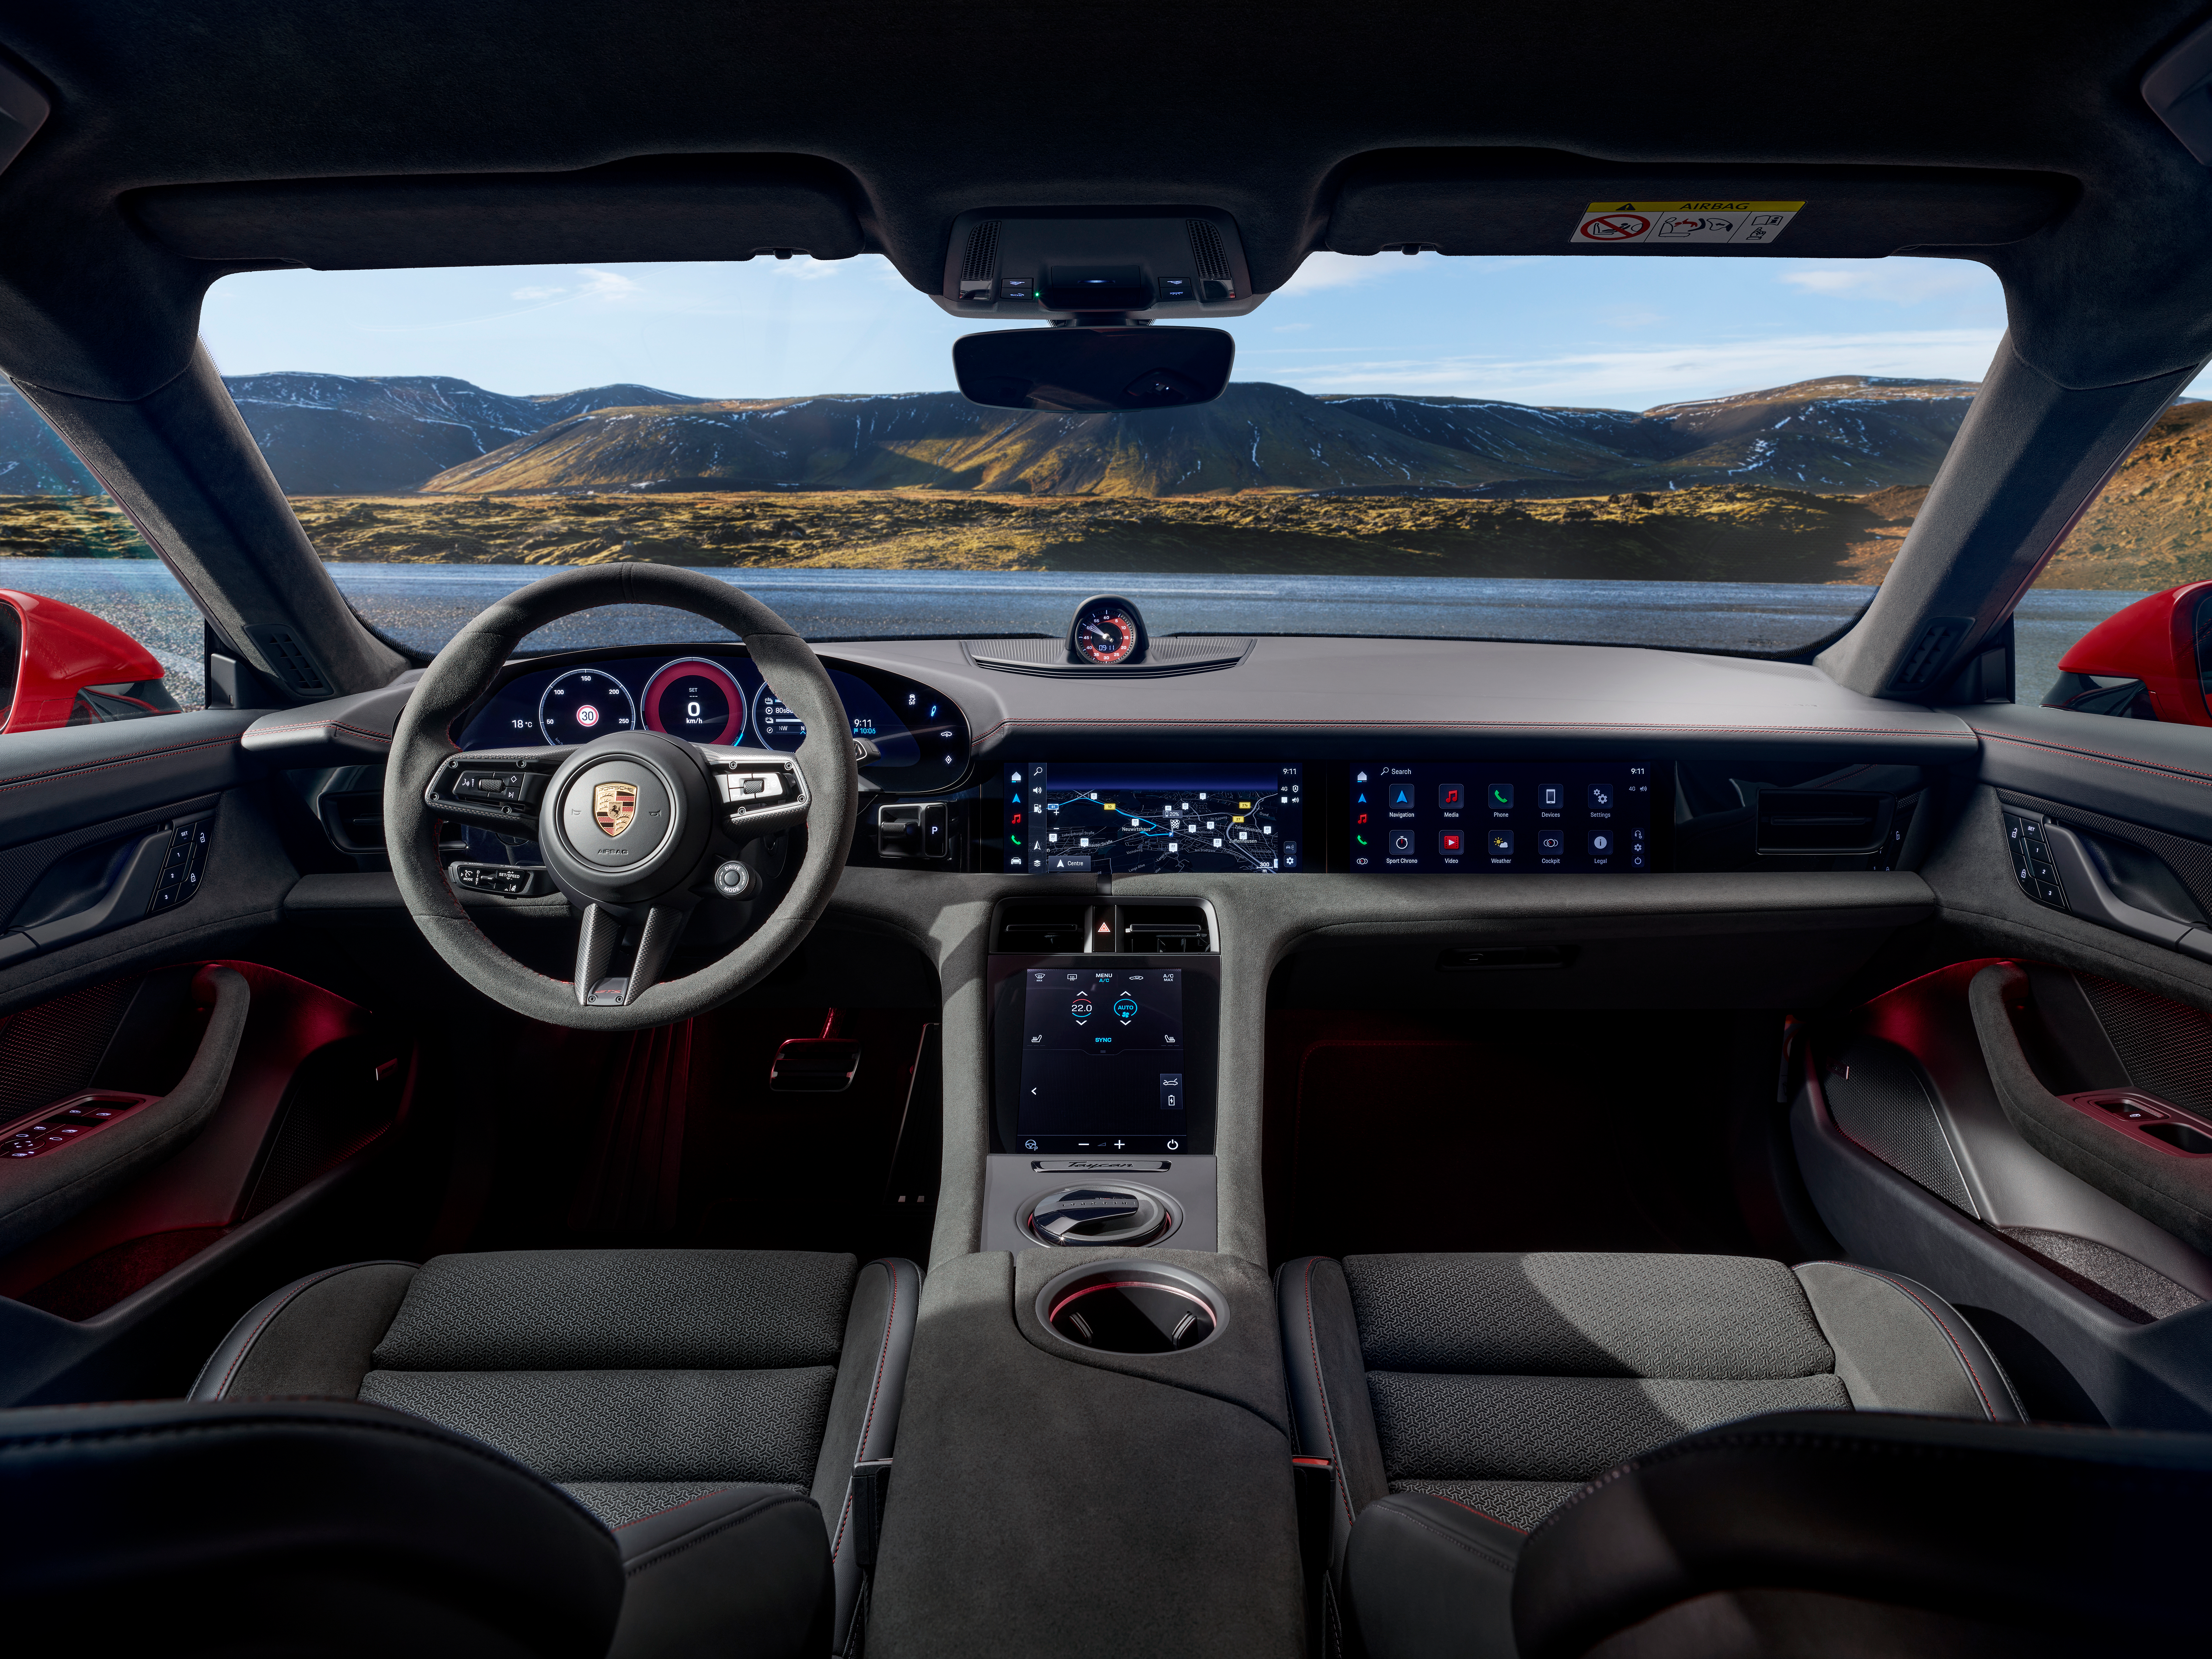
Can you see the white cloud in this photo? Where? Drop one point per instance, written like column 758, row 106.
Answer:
column 1645, row 376
column 609, row 285
column 1897, row 282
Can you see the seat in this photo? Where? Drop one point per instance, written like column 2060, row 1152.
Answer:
column 707, row 1407
column 1459, row 1399
column 1815, row 1536
column 289, row 1526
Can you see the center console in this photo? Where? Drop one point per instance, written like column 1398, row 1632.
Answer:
column 1103, row 1071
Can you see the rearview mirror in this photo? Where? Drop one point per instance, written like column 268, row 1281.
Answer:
column 1087, row 370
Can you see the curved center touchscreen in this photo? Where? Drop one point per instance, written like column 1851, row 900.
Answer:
column 1101, row 1060
column 1218, row 816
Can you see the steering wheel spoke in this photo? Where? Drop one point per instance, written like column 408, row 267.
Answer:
column 599, row 949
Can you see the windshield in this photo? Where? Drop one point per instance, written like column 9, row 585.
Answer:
column 1700, row 453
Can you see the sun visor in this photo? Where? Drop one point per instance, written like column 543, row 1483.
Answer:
column 1522, row 202
column 653, row 209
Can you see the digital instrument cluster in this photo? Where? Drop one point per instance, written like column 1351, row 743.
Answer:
column 720, row 697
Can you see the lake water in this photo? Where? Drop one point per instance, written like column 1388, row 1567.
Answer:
column 424, row 604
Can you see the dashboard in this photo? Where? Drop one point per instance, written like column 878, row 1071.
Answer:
column 1289, row 756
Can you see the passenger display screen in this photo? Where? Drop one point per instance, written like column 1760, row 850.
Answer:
column 1447, row 816
column 1211, row 816
column 1102, row 1061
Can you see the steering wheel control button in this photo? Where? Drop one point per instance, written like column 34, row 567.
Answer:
column 734, row 879
column 1100, row 1214
column 506, row 880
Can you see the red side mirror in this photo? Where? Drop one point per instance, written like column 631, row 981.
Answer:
column 67, row 668
column 2148, row 661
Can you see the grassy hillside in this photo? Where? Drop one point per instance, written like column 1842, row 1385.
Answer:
column 2152, row 528
column 1694, row 535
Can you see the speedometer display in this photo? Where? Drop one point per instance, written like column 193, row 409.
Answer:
column 585, row 703
column 696, row 700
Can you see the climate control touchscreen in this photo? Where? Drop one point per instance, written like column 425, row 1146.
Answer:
column 1102, row 1061
column 1487, row 816
column 1218, row 816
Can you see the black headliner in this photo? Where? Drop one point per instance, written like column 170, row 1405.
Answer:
column 932, row 110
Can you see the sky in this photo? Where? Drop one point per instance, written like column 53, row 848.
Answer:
column 1612, row 332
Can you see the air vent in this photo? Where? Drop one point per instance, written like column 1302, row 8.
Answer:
column 1814, row 822
column 1207, row 251
column 290, row 661
column 1932, row 652
column 1163, row 929
column 981, row 262
column 1037, row 929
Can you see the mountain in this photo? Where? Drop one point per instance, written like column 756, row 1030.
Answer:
column 33, row 461
column 340, row 434
column 1847, row 433
column 1253, row 437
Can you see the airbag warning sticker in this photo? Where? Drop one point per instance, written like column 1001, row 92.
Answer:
column 1671, row 224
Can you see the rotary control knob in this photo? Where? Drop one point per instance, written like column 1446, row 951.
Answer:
column 1099, row 1215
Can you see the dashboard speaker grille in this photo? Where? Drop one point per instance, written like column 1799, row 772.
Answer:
column 291, row 661
column 979, row 264
column 1207, row 251
column 1932, row 652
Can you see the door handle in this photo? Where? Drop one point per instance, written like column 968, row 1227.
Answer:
column 125, row 899
column 2091, row 896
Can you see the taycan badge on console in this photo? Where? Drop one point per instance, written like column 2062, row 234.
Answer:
column 615, row 807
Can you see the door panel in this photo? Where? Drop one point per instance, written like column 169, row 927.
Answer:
column 106, row 986
column 317, row 1087
column 1917, row 1164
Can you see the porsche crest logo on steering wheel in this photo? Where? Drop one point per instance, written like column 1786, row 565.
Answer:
column 615, row 807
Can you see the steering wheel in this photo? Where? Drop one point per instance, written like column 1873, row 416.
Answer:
column 644, row 832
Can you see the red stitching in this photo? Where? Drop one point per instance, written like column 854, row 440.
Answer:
column 28, row 778
column 697, row 1497
column 1965, row 1364
column 883, row 1359
column 2181, row 772
column 324, row 726
column 1321, row 1387
column 1470, row 1510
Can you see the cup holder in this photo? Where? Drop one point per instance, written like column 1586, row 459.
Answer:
column 1130, row 1307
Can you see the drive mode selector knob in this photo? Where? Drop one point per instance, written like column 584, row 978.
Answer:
column 1099, row 1215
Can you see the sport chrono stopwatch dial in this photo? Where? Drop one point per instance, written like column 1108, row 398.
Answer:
column 1108, row 631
